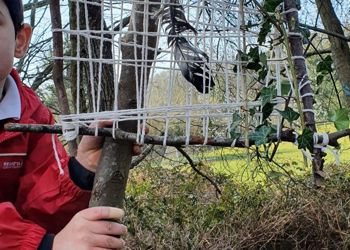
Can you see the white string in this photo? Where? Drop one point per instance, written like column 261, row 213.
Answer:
column 298, row 57
column 306, row 94
column 324, row 142
column 308, row 110
column 70, row 130
column 217, row 36
column 303, row 84
column 53, row 139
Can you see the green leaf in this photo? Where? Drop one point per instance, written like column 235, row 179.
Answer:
column 252, row 111
column 289, row 114
column 340, row 118
column 319, row 79
column 254, row 54
column 325, row 65
column 270, row 5
column 305, row 140
column 260, row 136
column 267, row 94
column 253, row 66
column 264, row 31
column 267, row 110
column 262, row 73
column 263, row 59
column 285, row 87
column 236, row 119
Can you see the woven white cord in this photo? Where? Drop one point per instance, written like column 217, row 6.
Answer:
column 70, row 131
column 306, row 94
column 298, row 58
column 325, row 140
column 53, row 139
column 308, row 110
column 303, row 84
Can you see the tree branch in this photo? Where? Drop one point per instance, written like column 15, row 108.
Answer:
column 330, row 33
column 175, row 141
column 194, row 167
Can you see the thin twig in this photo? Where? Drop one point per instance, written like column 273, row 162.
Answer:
column 136, row 161
column 194, row 167
column 330, row 33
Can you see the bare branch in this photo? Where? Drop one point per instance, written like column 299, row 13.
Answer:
column 29, row 6
column 194, row 167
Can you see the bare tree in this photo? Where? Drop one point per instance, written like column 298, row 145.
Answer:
column 339, row 47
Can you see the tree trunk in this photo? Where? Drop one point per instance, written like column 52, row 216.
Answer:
column 57, row 71
column 297, row 51
column 112, row 173
column 340, row 48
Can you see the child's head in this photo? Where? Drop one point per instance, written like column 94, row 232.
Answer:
column 14, row 36
column 15, row 8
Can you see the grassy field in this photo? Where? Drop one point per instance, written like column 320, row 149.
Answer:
column 236, row 163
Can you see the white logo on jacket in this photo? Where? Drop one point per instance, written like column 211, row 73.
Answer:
column 12, row 164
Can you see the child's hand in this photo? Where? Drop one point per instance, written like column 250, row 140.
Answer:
column 90, row 229
column 90, row 148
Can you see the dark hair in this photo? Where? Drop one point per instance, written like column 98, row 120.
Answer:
column 15, row 8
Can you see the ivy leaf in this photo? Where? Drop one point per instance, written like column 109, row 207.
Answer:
column 285, row 87
column 340, row 118
column 253, row 66
column 267, row 110
column 252, row 111
column 289, row 114
column 305, row 140
column 260, row 136
column 254, row 54
column 270, row 5
column 263, row 59
column 319, row 79
column 264, row 31
column 267, row 94
column 325, row 65
column 236, row 119
column 262, row 73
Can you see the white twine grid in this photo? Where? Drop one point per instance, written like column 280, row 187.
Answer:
column 218, row 36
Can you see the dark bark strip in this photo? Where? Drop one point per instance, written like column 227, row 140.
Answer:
column 57, row 71
column 297, row 51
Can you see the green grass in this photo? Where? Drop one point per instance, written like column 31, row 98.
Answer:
column 236, row 163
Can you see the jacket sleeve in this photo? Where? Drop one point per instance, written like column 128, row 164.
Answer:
column 16, row 232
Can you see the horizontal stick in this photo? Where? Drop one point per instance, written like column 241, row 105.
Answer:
column 176, row 141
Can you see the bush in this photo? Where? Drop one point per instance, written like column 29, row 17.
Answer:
column 176, row 209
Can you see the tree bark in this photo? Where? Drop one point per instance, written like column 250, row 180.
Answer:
column 297, row 51
column 112, row 173
column 57, row 71
column 339, row 47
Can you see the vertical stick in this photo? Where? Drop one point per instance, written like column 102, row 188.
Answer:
column 112, row 174
column 297, row 51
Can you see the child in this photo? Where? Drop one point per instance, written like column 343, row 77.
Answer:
column 42, row 190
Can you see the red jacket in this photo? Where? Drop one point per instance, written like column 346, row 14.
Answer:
column 37, row 195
